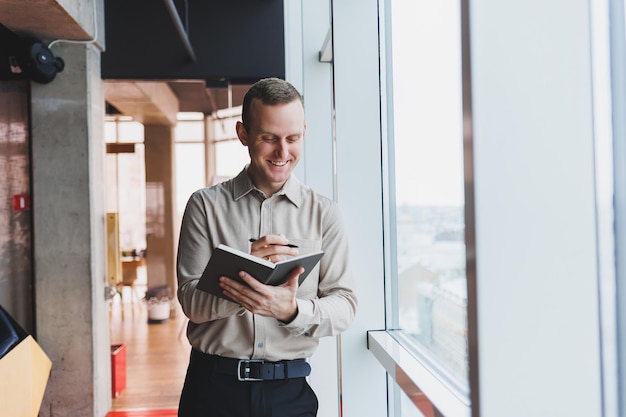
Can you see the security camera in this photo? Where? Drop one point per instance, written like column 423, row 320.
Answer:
column 37, row 61
column 24, row 56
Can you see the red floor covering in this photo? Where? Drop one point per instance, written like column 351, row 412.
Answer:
column 144, row 413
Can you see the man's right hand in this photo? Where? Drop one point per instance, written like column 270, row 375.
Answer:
column 272, row 248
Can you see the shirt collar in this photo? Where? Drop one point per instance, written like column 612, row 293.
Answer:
column 243, row 185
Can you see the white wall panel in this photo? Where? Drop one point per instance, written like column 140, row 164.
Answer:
column 357, row 98
column 535, row 219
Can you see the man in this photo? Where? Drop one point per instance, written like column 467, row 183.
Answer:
column 249, row 356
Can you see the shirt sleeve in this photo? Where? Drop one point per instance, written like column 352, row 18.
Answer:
column 335, row 307
column 194, row 250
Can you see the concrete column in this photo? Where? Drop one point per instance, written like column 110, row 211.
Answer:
column 69, row 236
column 160, row 206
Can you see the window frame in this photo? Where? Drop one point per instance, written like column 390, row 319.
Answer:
column 399, row 355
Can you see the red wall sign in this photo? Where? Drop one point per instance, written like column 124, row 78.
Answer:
column 21, row 202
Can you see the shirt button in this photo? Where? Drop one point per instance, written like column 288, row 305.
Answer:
column 260, row 345
column 266, row 205
column 307, row 334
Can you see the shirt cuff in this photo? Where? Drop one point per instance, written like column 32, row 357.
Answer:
column 303, row 319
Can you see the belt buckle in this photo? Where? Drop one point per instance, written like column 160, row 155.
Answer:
column 246, row 369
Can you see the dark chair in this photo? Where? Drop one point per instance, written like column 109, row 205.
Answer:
column 11, row 333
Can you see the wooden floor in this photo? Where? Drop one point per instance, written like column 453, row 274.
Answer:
column 156, row 360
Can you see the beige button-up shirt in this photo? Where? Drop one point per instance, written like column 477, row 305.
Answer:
column 233, row 212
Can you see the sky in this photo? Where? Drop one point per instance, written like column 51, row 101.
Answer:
column 427, row 102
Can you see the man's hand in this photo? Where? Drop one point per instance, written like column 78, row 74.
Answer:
column 272, row 248
column 266, row 300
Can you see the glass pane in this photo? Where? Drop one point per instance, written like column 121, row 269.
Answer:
column 190, row 172
column 130, row 177
column 110, row 131
column 429, row 196
column 189, row 131
column 225, row 128
column 130, row 131
column 231, row 158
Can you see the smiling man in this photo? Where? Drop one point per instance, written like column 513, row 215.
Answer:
column 273, row 133
column 249, row 357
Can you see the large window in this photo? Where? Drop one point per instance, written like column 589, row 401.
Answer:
column 125, row 174
column 190, row 159
column 207, row 151
column 230, row 154
column 426, row 190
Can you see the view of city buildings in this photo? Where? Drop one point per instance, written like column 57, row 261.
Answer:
column 432, row 291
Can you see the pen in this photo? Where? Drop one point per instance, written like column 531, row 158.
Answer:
column 288, row 244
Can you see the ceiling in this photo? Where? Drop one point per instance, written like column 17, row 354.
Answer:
column 195, row 96
column 47, row 20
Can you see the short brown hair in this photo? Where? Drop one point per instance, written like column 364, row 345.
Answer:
column 269, row 91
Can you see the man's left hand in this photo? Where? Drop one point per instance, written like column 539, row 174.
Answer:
column 265, row 300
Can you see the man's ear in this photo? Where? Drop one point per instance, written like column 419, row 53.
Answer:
column 242, row 134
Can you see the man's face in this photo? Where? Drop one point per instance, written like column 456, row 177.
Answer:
column 274, row 141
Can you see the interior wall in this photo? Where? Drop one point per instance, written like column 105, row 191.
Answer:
column 356, row 84
column 15, row 214
column 536, row 252
column 314, row 79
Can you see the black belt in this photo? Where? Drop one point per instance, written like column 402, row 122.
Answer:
column 257, row 369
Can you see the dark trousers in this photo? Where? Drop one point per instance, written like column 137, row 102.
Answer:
column 210, row 394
